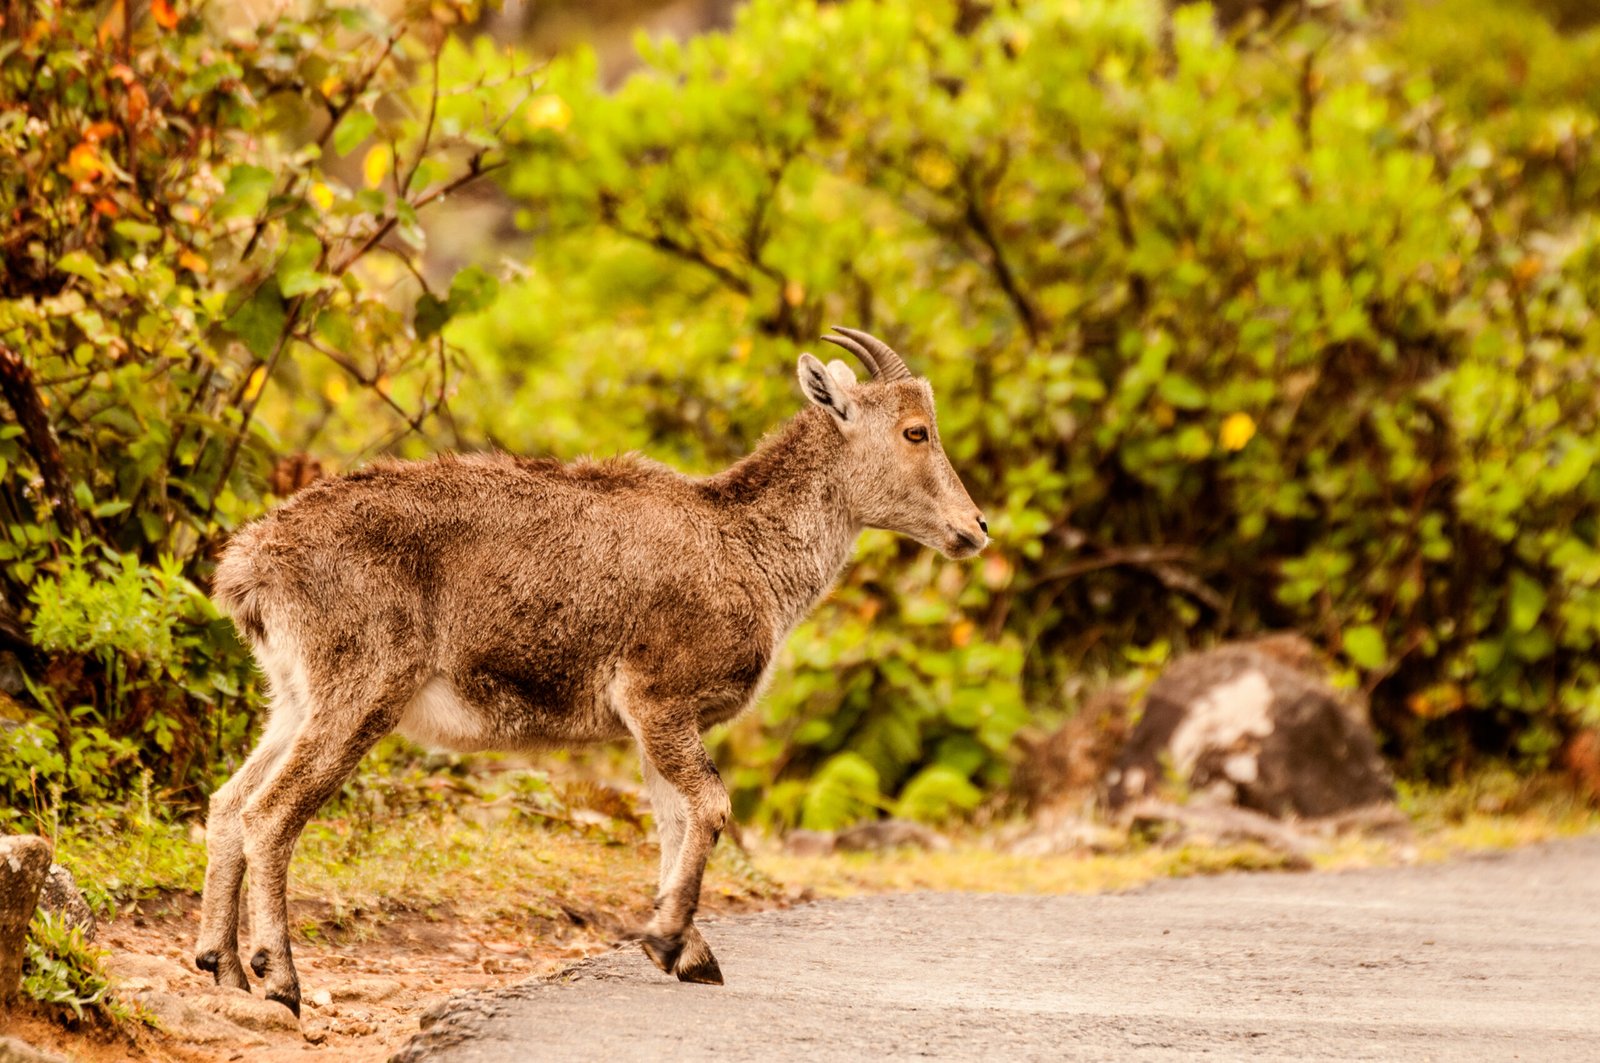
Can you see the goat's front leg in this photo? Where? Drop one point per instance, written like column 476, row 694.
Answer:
column 679, row 757
column 696, row 963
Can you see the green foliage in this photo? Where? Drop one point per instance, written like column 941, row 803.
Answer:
column 1287, row 331
column 60, row 968
column 187, row 267
column 1293, row 329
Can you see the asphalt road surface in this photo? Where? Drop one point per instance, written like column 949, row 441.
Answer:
column 1487, row 958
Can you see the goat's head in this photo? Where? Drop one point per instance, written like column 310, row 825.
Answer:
column 897, row 474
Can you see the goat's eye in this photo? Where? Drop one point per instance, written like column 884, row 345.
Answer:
column 917, row 434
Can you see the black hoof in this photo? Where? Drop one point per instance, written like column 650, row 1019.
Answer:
column 663, row 953
column 704, row 972
column 208, row 962
column 258, row 963
column 289, row 998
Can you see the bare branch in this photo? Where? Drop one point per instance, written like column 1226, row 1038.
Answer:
column 17, row 385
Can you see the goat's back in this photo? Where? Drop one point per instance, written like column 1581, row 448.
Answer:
column 530, row 581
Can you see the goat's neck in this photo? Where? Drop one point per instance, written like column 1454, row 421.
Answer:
column 786, row 506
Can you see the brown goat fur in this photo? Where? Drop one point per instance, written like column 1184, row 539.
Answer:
column 492, row 602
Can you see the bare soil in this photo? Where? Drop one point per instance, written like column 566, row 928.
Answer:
column 379, row 972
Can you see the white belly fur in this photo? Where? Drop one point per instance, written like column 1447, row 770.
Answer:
column 438, row 717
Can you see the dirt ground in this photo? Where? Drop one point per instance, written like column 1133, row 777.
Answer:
column 1488, row 957
column 364, row 982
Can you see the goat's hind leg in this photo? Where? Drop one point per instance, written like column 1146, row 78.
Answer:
column 217, row 949
column 341, row 725
column 695, row 963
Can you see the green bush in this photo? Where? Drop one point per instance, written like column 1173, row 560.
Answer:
column 61, row 969
column 192, row 206
column 1292, row 328
column 1284, row 331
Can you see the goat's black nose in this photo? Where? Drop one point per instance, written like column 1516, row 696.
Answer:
column 983, row 524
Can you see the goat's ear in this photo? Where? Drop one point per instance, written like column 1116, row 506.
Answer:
column 825, row 389
column 843, row 373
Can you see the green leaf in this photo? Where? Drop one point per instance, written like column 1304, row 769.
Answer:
column 79, row 264
column 1363, row 644
column 354, row 129
column 297, row 272
column 1527, row 602
column 137, row 231
column 431, row 315
column 1181, row 392
column 260, row 321
column 245, row 192
column 472, row 290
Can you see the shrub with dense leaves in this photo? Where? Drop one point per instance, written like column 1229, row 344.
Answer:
column 1228, row 334
column 192, row 213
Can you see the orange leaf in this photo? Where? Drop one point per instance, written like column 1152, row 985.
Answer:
column 192, row 262
column 106, row 207
column 116, row 21
column 99, row 131
column 138, row 103
column 162, row 11
column 83, row 163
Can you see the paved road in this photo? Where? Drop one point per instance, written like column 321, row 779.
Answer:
column 1485, row 958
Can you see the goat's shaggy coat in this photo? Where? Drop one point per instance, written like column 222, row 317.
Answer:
column 491, row 602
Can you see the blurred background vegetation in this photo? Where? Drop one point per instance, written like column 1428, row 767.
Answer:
column 1265, row 316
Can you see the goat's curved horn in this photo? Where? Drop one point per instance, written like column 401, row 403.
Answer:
column 888, row 366
column 859, row 351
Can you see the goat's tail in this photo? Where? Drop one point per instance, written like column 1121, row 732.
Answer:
column 237, row 585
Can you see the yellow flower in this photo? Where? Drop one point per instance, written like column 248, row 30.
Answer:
column 1237, row 430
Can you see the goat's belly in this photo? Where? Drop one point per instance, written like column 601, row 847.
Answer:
column 438, row 717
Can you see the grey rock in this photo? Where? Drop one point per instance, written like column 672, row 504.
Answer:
column 15, row 1051
column 240, row 1008
column 1252, row 725
column 24, row 863
column 889, row 834
column 135, row 971
column 185, row 1021
column 61, row 897
column 808, row 843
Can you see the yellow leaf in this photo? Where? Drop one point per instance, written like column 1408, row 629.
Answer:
column 549, row 112
column 375, row 167
column 192, row 262
column 322, row 195
column 1237, row 430
column 336, row 389
column 934, row 169
column 382, row 384
column 961, row 633
column 253, row 386
column 1165, row 416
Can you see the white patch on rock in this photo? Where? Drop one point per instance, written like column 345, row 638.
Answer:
column 1224, row 715
column 1242, row 768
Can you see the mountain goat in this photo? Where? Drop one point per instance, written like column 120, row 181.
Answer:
column 491, row 602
